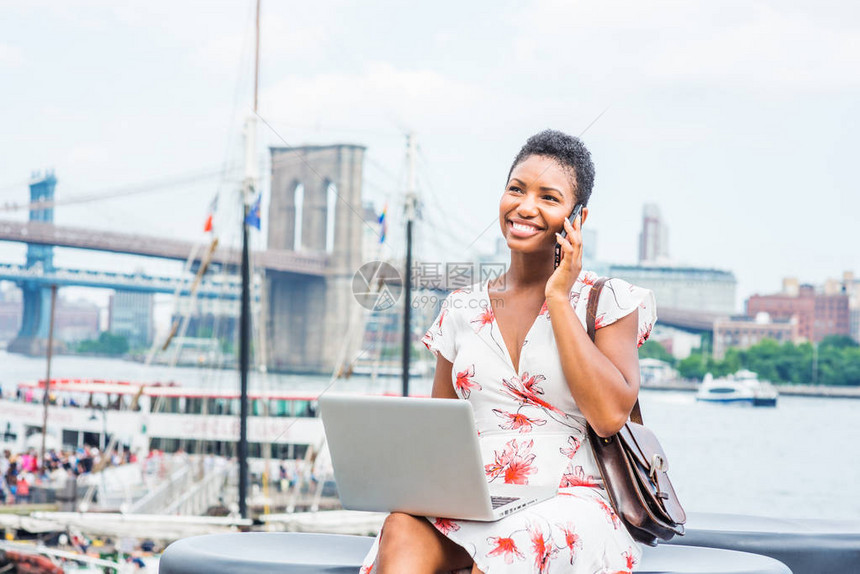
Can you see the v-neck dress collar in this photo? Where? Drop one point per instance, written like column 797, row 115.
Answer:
column 495, row 332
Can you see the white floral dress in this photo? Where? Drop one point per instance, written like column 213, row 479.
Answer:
column 531, row 432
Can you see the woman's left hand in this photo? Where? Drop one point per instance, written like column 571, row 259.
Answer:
column 561, row 281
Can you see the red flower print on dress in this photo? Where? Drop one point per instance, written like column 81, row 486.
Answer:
column 366, row 569
column 485, row 318
column 572, row 540
column 609, row 513
column 544, row 309
column 519, row 470
column 505, row 547
column 631, row 562
column 517, row 421
column 525, row 390
column 589, row 278
column 543, row 548
column 577, row 478
column 644, row 333
column 600, row 321
column 446, row 525
column 442, row 317
column 514, row 463
column 427, row 339
column 464, row 383
column 631, row 559
column 575, row 443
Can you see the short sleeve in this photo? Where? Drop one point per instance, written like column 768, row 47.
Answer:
column 440, row 338
column 619, row 298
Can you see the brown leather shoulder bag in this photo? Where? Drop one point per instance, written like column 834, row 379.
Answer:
column 633, row 467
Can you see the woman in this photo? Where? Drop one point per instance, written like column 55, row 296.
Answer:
column 517, row 349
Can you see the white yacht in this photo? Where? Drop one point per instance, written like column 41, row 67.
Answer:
column 743, row 387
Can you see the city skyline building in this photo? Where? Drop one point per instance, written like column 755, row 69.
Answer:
column 684, row 288
column 10, row 313
column 742, row 332
column 820, row 311
column 76, row 321
column 131, row 316
column 851, row 285
column 654, row 236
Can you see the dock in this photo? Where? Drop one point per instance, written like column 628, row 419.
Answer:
column 820, row 391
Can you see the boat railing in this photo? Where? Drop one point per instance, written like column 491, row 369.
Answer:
column 163, row 495
column 207, row 493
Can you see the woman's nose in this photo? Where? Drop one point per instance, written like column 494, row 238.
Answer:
column 527, row 206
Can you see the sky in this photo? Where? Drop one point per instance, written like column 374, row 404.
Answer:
column 739, row 119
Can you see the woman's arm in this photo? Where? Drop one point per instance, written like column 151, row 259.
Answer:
column 603, row 376
column 443, row 385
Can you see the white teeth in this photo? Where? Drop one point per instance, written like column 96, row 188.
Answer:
column 521, row 227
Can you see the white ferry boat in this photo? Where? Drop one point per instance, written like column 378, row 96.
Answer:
column 743, row 387
column 149, row 416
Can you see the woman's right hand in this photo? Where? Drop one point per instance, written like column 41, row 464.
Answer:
column 561, row 281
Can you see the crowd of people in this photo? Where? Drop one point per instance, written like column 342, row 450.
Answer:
column 20, row 472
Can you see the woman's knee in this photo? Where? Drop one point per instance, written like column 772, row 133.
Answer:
column 401, row 529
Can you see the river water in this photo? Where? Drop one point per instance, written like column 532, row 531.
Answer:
column 798, row 460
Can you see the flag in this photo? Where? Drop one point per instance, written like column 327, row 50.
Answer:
column 213, row 206
column 253, row 218
column 383, row 224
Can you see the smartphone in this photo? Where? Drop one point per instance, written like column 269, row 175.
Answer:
column 576, row 211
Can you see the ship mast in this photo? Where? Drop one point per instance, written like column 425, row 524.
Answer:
column 248, row 190
column 411, row 200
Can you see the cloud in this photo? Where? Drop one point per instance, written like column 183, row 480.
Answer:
column 92, row 156
column 761, row 46
column 10, row 56
column 379, row 91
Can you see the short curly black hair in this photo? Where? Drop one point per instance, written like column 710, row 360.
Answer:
column 569, row 152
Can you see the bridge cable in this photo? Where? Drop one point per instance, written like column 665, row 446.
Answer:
column 156, row 186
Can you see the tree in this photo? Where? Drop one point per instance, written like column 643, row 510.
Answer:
column 106, row 344
column 654, row 350
column 693, row 367
column 761, row 358
column 838, row 342
column 838, row 362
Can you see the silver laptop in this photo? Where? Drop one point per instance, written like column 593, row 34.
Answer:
column 418, row 456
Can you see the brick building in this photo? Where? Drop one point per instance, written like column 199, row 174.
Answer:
column 744, row 332
column 819, row 312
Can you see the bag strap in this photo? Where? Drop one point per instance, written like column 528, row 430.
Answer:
column 590, row 320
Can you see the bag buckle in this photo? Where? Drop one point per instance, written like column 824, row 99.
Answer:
column 658, row 464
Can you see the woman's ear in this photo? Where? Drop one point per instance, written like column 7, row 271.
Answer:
column 583, row 216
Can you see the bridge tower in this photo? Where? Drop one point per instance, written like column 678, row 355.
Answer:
column 33, row 335
column 315, row 206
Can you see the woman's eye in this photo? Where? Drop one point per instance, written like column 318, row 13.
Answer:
column 551, row 198
column 514, row 189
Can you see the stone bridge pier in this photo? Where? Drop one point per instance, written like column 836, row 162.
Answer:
column 316, row 207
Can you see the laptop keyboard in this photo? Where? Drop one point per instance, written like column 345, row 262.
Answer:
column 498, row 501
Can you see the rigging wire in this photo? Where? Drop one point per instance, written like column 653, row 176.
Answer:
column 318, row 127
column 396, row 178
column 155, row 186
column 241, row 76
column 455, row 215
column 14, row 187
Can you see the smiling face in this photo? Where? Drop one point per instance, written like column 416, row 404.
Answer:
column 536, row 201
